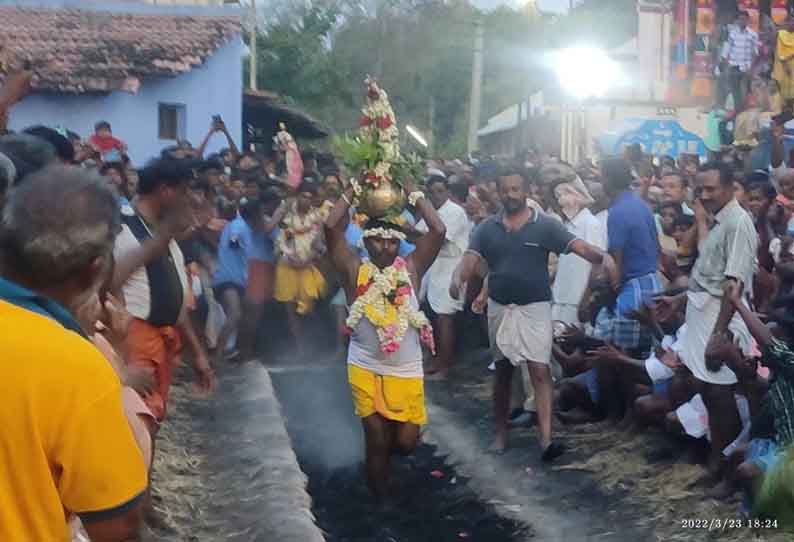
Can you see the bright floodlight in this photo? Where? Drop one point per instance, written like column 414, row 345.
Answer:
column 585, row 72
column 416, row 135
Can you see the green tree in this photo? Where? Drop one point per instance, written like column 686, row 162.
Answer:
column 317, row 54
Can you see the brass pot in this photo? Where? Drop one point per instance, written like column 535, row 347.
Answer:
column 375, row 202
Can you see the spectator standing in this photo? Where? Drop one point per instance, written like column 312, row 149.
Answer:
column 300, row 244
column 230, row 280
column 634, row 245
column 58, row 389
column 727, row 258
column 439, row 276
column 151, row 276
column 261, row 268
column 738, row 53
column 516, row 245
column 573, row 272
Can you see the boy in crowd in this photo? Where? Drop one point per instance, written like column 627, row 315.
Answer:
column 231, row 273
column 103, row 140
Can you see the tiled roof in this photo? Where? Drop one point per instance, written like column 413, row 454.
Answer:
column 81, row 51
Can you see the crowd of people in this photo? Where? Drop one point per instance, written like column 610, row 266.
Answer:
column 650, row 291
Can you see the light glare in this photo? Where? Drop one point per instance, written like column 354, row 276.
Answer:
column 585, row 72
column 416, row 135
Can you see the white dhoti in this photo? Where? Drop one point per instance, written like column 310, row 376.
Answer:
column 702, row 312
column 520, row 333
column 439, row 277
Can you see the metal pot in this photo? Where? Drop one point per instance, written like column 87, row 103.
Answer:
column 376, row 202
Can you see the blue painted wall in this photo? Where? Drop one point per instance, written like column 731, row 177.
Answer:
column 213, row 88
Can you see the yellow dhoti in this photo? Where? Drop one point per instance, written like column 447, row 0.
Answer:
column 395, row 398
column 302, row 286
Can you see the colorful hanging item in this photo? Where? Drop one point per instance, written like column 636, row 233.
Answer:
column 292, row 156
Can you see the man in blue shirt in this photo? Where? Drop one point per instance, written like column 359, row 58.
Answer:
column 231, row 275
column 634, row 244
column 261, row 269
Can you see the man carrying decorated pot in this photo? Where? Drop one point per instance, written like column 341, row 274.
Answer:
column 387, row 329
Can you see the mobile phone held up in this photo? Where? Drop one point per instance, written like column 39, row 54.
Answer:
column 216, row 119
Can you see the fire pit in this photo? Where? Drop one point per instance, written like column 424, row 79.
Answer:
column 430, row 503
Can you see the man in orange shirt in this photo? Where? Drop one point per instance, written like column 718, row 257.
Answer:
column 66, row 446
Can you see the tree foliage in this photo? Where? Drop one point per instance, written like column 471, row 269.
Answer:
column 318, row 53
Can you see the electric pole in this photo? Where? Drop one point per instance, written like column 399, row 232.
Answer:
column 475, row 97
column 252, row 45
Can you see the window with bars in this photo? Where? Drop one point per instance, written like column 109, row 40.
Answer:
column 171, row 121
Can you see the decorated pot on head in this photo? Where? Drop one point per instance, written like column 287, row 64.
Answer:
column 383, row 200
column 374, row 153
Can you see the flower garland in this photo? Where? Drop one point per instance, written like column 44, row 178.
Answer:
column 379, row 125
column 300, row 241
column 383, row 298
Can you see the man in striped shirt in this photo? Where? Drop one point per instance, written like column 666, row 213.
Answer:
column 738, row 53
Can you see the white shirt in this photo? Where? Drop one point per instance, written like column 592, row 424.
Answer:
column 137, row 295
column 439, row 276
column 573, row 272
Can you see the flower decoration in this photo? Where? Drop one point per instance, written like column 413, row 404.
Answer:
column 300, row 239
column 383, row 298
column 374, row 154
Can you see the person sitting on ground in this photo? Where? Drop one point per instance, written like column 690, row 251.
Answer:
column 57, row 388
column 773, row 428
column 579, row 389
column 385, row 355
column 646, row 383
column 743, row 458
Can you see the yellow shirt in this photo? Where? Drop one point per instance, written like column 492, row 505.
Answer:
column 65, row 444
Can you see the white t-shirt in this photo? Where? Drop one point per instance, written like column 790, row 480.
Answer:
column 439, row 275
column 573, row 271
column 137, row 294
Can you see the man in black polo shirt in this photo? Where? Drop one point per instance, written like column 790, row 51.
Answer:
column 516, row 245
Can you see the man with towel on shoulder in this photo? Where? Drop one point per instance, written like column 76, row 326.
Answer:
column 516, row 245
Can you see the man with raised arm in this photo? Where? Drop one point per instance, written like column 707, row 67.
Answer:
column 516, row 245
column 387, row 329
